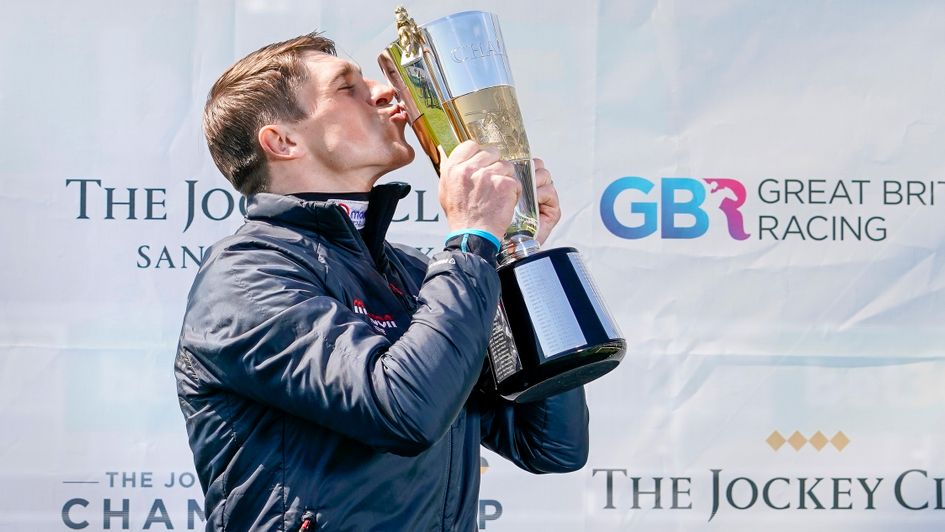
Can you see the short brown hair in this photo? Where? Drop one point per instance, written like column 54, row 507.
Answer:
column 258, row 90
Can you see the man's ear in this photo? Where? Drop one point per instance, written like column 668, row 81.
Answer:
column 278, row 142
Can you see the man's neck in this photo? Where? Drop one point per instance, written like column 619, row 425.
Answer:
column 300, row 180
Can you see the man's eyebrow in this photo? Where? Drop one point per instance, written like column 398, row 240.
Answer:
column 345, row 71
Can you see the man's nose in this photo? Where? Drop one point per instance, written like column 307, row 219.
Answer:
column 382, row 94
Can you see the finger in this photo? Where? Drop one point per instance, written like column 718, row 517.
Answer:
column 442, row 154
column 492, row 148
column 505, row 184
column 484, row 157
column 547, row 195
column 539, row 163
column 517, row 186
column 549, row 214
column 542, row 177
column 501, row 168
column 464, row 151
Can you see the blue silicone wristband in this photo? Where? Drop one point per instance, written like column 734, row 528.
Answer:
column 478, row 232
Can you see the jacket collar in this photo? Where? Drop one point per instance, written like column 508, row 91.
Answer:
column 330, row 221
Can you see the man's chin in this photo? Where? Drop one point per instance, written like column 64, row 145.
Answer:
column 407, row 156
column 402, row 144
column 404, row 155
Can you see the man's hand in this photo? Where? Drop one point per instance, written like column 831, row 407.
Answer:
column 478, row 190
column 549, row 210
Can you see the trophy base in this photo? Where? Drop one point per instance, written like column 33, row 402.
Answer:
column 552, row 332
column 516, row 247
column 591, row 364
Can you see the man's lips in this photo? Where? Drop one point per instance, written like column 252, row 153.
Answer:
column 397, row 113
column 400, row 115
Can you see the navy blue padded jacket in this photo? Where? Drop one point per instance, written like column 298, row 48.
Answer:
column 326, row 373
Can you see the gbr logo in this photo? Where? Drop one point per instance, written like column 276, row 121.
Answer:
column 677, row 211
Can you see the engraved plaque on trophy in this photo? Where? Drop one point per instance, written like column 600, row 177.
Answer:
column 552, row 331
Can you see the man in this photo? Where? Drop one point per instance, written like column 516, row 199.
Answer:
column 326, row 376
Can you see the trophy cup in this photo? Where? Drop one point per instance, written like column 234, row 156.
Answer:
column 552, row 331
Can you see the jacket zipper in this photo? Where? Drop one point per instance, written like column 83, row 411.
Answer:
column 409, row 306
column 449, row 476
column 409, row 303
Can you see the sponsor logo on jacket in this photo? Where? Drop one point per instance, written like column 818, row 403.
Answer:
column 379, row 321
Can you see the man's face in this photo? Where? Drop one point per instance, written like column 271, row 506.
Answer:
column 354, row 125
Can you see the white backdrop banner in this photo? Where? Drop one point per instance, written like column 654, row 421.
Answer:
column 758, row 188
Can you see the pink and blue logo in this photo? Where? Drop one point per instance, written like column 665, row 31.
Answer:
column 679, row 211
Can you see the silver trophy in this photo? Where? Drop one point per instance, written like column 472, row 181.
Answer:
column 552, row 331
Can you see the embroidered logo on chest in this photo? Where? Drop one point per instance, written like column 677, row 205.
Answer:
column 379, row 321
